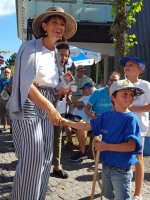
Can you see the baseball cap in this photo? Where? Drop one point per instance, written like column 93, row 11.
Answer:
column 86, row 85
column 125, row 85
column 80, row 67
column 137, row 60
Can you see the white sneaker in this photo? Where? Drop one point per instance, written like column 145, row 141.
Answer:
column 137, row 198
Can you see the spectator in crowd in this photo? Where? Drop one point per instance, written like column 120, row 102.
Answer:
column 100, row 101
column 35, row 91
column 64, row 52
column 121, row 140
column 133, row 68
column 101, row 84
column 78, row 110
column 80, row 79
column 4, row 99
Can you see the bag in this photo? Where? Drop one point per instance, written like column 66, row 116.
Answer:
column 4, row 95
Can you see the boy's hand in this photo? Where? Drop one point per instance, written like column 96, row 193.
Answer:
column 100, row 146
column 92, row 115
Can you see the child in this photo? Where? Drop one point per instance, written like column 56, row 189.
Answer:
column 133, row 68
column 121, row 140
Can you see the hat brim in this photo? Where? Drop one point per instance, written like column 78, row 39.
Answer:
column 71, row 25
column 136, row 91
column 123, row 61
column 82, row 88
column 81, row 69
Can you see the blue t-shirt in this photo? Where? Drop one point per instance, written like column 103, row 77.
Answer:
column 115, row 128
column 100, row 101
column 3, row 83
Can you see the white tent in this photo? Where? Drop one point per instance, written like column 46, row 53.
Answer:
column 81, row 56
column 85, row 57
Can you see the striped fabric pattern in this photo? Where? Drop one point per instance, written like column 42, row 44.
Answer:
column 33, row 141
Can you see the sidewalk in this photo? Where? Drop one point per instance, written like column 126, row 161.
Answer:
column 76, row 187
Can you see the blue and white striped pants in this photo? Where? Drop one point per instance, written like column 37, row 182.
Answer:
column 33, row 141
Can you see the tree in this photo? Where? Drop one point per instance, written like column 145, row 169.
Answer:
column 124, row 19
column 11, row 62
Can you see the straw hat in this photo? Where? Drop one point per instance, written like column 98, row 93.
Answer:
column 71, row 25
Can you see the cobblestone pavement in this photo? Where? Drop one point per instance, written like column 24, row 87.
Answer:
column 76, row 187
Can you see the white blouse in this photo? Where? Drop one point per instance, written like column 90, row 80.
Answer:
column 47, row 74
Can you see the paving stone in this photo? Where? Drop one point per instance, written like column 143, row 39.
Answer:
column 76, row 187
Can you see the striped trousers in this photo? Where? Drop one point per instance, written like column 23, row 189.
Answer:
column 33, row 141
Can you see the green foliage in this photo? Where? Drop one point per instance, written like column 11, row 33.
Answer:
column 11, row 62
column 125, row 22
column 130, row 39
column 135, row 7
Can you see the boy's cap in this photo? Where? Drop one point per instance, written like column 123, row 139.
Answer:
column 137, row 60
column 86, row 85
column 125, row 85
column 80, row 67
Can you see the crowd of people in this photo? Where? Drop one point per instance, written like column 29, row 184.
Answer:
column 41, row 105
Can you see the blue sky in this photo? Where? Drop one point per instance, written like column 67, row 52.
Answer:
column 8, row 33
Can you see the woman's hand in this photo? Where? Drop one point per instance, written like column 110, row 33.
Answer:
column 36, row 97
column 54, row 116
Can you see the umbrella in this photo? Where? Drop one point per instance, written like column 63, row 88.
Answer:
column 81, row 56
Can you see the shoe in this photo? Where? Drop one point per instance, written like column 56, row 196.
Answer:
column 10, row 130
column 60, row 174
column 6, row 129
column 78, row 156
column 137, row 198
column 68, row 146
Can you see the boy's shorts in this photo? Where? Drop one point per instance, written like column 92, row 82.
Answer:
column 116, row 182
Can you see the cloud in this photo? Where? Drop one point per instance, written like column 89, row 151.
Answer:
column 7, row 7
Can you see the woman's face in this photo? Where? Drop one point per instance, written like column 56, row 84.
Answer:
column 55, row 27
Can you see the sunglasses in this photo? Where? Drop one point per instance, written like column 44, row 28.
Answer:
column 7, row 72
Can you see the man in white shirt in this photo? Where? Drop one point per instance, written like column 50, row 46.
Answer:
column 64, row 53
column 78, row 110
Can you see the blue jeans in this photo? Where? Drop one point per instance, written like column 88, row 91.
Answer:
column 116, row 182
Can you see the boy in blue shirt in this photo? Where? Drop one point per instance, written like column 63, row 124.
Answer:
column 121, row 140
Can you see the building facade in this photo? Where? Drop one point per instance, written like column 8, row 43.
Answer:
column 142, row 31
column 94, row 20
